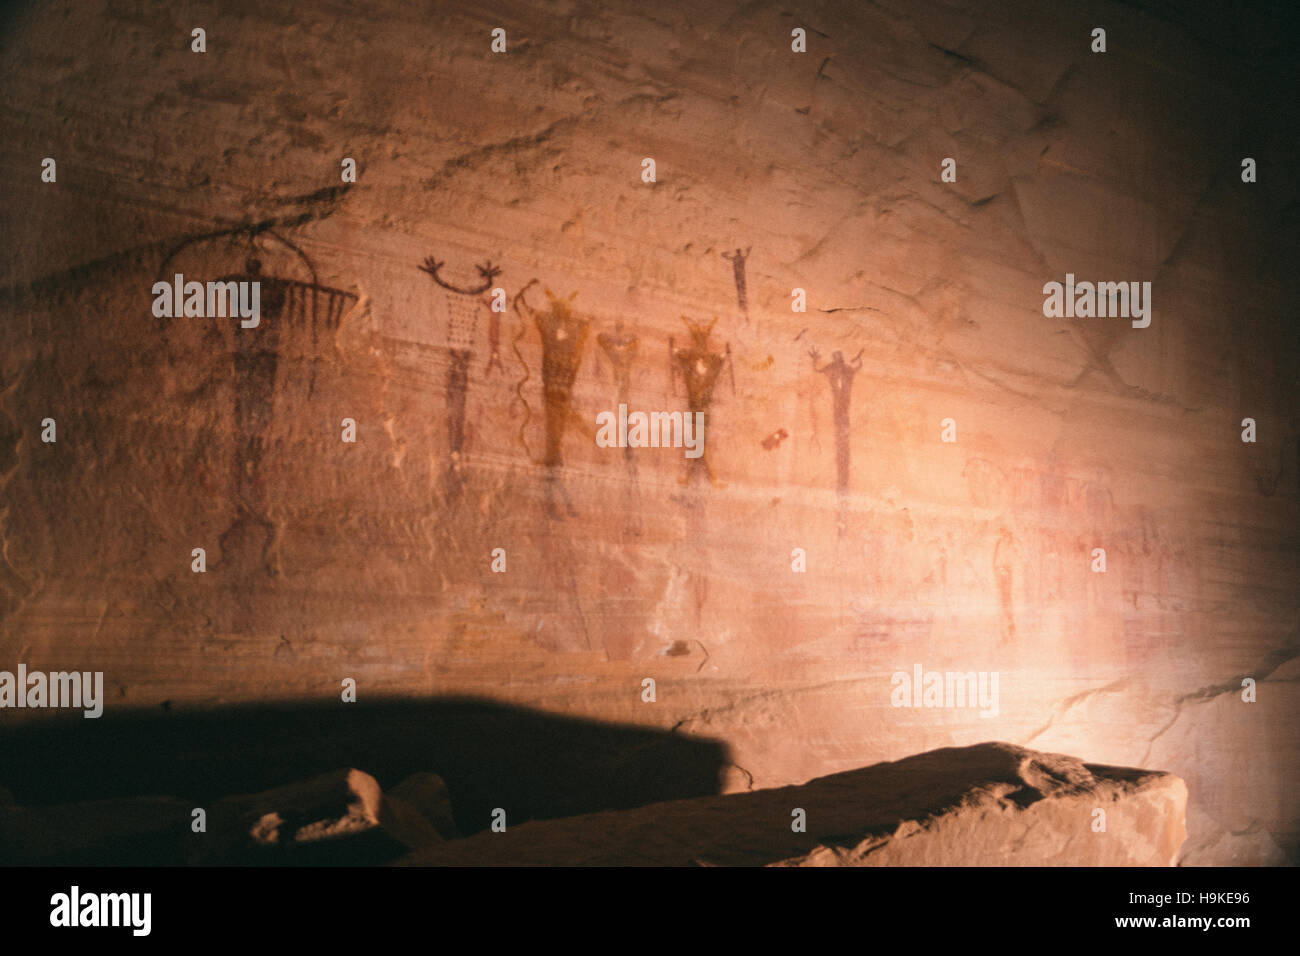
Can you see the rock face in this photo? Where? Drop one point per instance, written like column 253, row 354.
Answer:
column 477, row 540
column 989, row 805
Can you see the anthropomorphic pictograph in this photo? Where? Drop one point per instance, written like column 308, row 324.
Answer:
column 839, row 374
column 700, row 367
column 738, row 268
column 620, row 347
column 564, row 335
column 463, row 308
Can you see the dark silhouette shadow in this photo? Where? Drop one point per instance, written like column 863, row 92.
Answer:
column 535, row 765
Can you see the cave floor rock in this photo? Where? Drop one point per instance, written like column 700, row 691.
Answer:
column 993, row 804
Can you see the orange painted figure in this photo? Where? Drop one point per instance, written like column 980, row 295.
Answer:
column 620, row 347
column 564, row 334
column 700, row 368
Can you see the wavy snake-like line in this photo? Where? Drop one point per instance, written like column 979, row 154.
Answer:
column 519, row 386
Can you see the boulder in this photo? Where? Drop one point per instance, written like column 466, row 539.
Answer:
column 993, row 804
column 417, row 812
column 333, row 817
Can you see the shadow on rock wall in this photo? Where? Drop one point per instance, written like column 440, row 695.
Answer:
column 537, row 765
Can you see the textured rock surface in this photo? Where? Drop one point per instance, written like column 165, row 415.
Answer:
column 989, row 805
column 369, row 560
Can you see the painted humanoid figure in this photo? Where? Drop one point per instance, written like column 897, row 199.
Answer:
column 700, row 367
column 620, row 348
column 564, row 335
column 463, row 308
column 839, row 374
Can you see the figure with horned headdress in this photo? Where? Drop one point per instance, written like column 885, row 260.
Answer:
column 700, row 367
column 463, row 308
column 564, row 334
